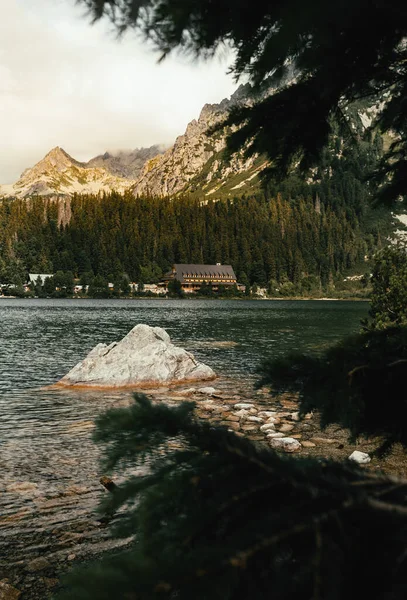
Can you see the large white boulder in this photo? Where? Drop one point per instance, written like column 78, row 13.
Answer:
column 145, row 356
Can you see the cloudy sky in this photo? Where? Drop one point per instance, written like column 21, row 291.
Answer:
column 64, row 82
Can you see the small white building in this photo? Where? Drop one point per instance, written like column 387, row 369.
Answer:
column 33, row 277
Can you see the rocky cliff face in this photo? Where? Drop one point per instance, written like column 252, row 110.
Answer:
column 180, row 168
column 126, row 164
column 60, row 174
column 195, row 164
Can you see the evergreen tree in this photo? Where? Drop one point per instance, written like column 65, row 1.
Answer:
column 49, row 286
column 216, row 516
column 350, row 382
column 389, row 288
column 175, row 288
column 98, row 288
column 273, row 42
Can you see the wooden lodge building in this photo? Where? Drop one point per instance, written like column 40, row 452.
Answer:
column 193, row 276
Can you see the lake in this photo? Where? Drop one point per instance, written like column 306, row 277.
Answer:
column 48, row 463
column 40, row 340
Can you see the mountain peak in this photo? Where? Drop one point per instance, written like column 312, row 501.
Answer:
column 59, row 173
column 57, row 151
column 59, row 159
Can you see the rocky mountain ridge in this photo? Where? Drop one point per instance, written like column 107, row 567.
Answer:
column 195, row 164
column 127, row 164
column 60, row 174
column 176, row 170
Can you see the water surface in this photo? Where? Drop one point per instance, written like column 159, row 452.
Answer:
column 48, row 463
column 40, row 340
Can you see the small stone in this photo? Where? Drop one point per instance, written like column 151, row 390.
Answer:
column 70, row 537
column 273, row 421
column 206, row 406
column 242, row 414
column 244, row 406
column 38, row 564
column 71, row 556
column 253, row 411
column 50, row 582
column 295, row 416
column 233, row 426
column 255, row 419
column 8, row 592
column 308, row 444
column 267, row 427
column 231, row 418
column 287, row 444
column 209, row 391
column 286, row 428
column 267, row 413
column 360, row 457
column 249, row 428
column 275, row 435
column 187, row 392
column 289, row 404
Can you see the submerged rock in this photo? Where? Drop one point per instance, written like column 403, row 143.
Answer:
column 145, row 356
column 208, row 391
column 8, row 592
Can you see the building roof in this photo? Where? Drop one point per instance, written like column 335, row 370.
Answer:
column 43, row 276
column 207, row 272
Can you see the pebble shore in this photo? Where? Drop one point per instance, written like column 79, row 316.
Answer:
column 43, row 535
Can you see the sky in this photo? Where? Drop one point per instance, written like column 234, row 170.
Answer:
column 65, row 82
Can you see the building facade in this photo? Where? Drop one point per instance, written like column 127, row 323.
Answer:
column 193, row 276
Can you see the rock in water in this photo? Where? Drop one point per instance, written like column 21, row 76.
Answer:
column 145, row 356
column 8, row 592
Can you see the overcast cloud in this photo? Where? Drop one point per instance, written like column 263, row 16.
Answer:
column 64, row 82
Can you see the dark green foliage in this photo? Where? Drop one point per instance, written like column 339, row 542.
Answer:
column 206, row 289
column 217, row 517
column 358, row 383
column 98, row 288
column 175, row 288
column 389, row 288
column 49, row 286
column 339, row 54
column 263, row 237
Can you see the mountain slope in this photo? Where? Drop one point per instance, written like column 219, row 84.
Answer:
column 126, row 164
column 181, row 167
column 196, row 164
column 59, row 173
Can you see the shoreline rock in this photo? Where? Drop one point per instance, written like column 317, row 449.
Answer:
column 144, row 357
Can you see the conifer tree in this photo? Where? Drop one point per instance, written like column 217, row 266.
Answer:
column 217, row 517
column 362, row 42
column 360, row 382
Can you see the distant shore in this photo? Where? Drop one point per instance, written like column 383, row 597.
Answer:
column 280, row 298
